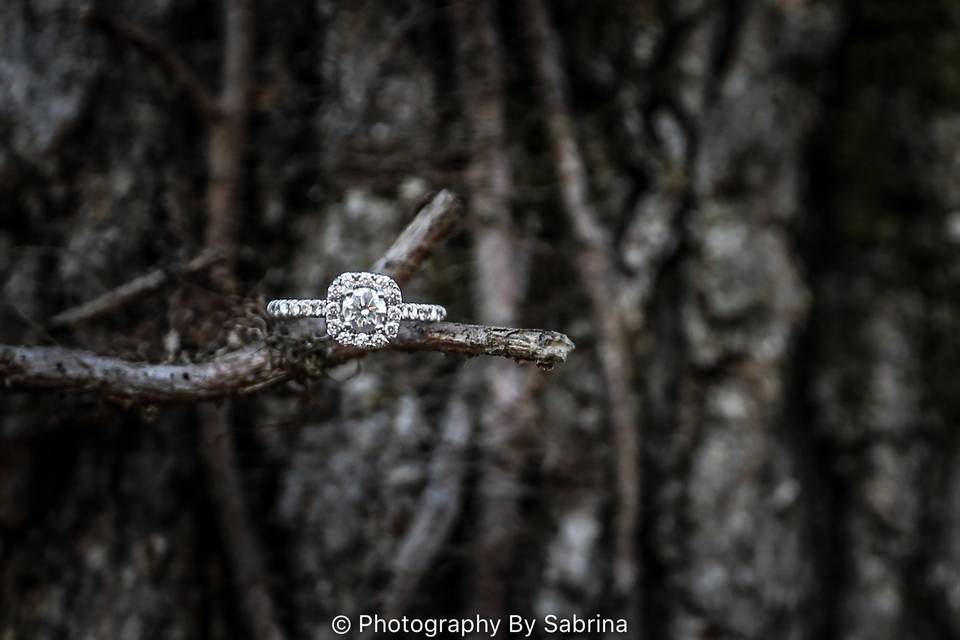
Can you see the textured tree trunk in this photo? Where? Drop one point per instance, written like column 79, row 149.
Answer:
column 775, row 190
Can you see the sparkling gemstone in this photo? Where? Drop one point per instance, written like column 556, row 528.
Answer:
column 333, row 327
column 391, row 329
column 364, row 310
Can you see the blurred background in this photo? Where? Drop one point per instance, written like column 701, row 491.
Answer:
column 755, row 437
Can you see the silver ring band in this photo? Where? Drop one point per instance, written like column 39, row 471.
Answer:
column 313, row 308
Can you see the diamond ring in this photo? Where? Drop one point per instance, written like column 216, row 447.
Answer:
column 361, row 309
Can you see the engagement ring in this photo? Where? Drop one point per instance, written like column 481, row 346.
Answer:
column 361, row 309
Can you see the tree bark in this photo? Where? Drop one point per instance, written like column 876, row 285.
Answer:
column 743, row 213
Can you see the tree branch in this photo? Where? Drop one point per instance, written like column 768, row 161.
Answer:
column 226, row 149
column 227, row 143
column 242, row 545
column 116, row 379
column 438, row 507
column 160, row 54
column 130, row 291
column 598, row 277
column 506, row 414
column 432, row 225
column 545, row 348
column 256, row 366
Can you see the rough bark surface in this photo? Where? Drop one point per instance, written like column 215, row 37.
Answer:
column 773, row 185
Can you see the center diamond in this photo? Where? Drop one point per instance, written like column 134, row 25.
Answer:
column 364, row 310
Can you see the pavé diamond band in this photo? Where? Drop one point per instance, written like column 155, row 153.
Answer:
column 361, row 309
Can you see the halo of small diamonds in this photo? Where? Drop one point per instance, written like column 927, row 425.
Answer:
column 362, row 309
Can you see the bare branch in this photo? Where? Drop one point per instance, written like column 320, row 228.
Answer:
column 598, row 276
column 226, row 148
column 160, row 54
column 545, row 348
column 227, row 144
column 505, row 416
column 65, row 369
column 242, row 546
column 130, row 291
column 435, row 221
column 489, row 173
column 253, row 367
column 437, row 509
column 227, row 120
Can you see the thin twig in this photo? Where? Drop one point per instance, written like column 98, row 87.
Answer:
column 506, row 415
column 433, row 224
column 438, row 507
column 598, row 276
column 159, row 53
column 242, row 545
column 226, row 149
column 130, row 291
column 545, row 348
column 227, row 144
column 489, row 174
